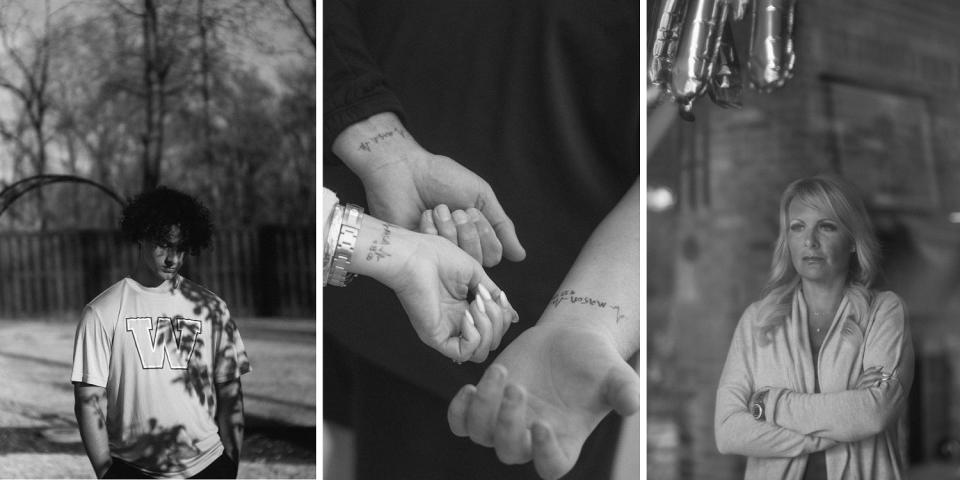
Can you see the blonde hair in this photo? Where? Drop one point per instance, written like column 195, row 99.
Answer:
column 837, row 197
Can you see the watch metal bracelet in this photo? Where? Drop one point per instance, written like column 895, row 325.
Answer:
column 346, row 244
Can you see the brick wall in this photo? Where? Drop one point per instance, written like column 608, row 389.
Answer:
column 733, row 165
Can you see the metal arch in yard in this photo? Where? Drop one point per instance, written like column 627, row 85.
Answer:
column 21, row 187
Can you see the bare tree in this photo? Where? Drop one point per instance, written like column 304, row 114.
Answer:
column 25, row 76
column 141, row 92
column 154, row 77
column 203, row 23
column 161, row 48
column 307, row 26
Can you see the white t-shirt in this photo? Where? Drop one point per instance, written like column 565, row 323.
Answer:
column 158, row 352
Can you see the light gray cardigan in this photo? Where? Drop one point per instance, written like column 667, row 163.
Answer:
column 857, row 428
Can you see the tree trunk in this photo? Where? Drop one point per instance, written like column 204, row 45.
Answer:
column 153, row 77
column 205, row 84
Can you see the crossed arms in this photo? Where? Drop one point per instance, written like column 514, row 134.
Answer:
column 801, row 423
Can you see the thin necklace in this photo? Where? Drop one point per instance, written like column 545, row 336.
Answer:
column 818, row 316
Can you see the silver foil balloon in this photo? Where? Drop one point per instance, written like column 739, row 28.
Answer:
column 726, row 87
column 771, row 56
column 694, row 63
column 739, row 8
column 666, row 42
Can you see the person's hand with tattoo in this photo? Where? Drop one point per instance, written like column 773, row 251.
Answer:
column 434, row 281
column 548, row 390
column 545, row 394
column 402, row 179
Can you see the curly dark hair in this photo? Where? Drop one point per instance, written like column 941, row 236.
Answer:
column 150, row 215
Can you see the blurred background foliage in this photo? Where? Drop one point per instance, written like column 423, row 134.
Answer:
column 216, row 97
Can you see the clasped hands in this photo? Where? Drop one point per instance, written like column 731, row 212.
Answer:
column 435, row 284
column 551, row 386
column 549, row 389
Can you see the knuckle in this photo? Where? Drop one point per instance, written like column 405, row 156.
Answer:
column 492, row 254
column 485, row 230
column 508, row 456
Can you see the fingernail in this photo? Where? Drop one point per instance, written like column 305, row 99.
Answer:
column 428, row 218
column 514, row 317
column 443, row 212
column 484, row 292
column 470, row 319
column 460, row 217
column 480, row 305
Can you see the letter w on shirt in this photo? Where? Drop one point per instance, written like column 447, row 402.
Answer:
column 174, row 344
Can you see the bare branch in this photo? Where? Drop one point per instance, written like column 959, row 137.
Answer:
column 119, row 3
column 303, row 25
column 17, row 91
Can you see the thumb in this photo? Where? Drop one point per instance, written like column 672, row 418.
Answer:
column 479, row 277
column 502, row 224
column 621, row 389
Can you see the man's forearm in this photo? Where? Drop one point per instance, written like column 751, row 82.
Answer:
column 373, row 142
column 92, row 423
column 602, row 287
column 230, row 417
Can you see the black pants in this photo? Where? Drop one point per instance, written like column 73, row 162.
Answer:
column 222, row 467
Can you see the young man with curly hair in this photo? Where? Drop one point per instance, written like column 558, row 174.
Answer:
column 162, row 354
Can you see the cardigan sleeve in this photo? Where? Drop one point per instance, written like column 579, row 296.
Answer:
column 353, row 86
column 853, row 415
column 737, row 432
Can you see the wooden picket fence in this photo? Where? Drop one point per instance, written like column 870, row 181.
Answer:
column 264, row 271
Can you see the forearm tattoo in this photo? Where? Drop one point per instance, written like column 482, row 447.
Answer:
column 571, row 297
column 382, row 137
column 378, row 250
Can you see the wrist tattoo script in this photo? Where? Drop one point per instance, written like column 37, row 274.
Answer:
column 378, row 250
column 383, row 136
column 570, row 296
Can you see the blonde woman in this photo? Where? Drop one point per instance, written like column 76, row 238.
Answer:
column 819, row 370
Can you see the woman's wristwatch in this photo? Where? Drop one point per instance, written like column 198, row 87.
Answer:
column 345, row 244
column 757, row 407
